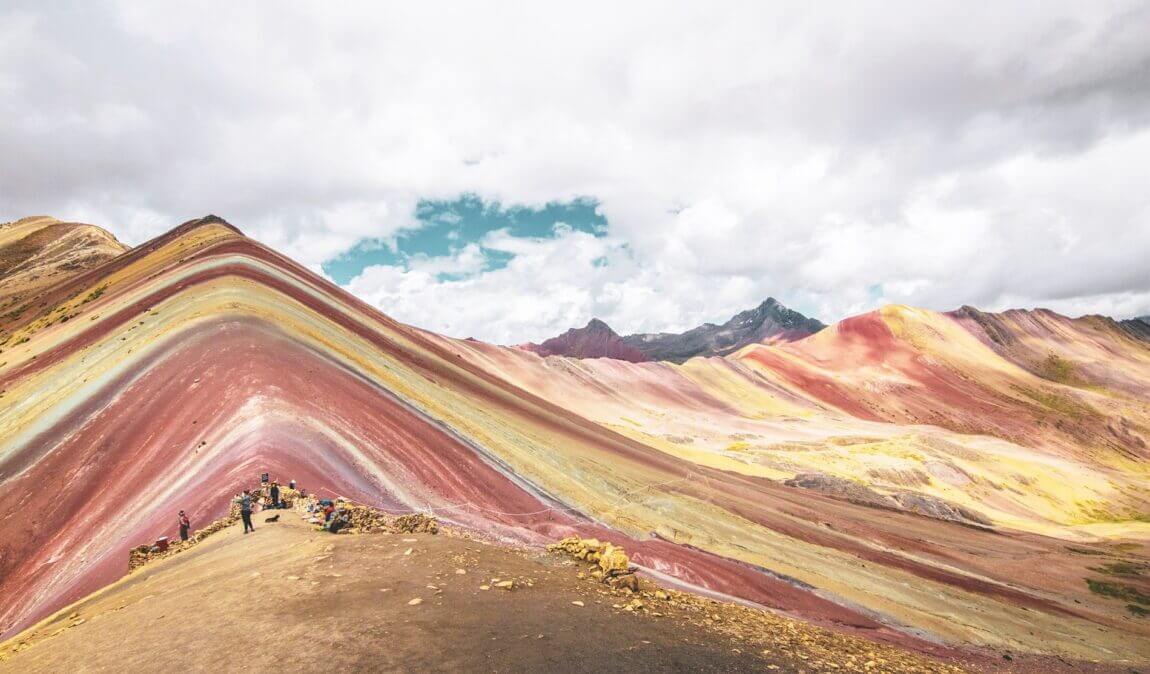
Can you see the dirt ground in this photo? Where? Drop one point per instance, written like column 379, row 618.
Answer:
column 288, row 598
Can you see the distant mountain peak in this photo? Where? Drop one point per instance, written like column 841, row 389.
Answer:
column 769, row 321
column 597, row 325
column 595, row 340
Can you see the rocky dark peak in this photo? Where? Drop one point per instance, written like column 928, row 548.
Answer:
column 769, row 306
column 595, row 340
column 596, row 325
column 1139, row 328
column 770, row 320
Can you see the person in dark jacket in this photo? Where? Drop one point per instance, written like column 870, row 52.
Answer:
column 275, row 490
column 338, row 521
column 245, row 501
column 185, row 524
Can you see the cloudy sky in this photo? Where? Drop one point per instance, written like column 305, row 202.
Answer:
column 506, row 171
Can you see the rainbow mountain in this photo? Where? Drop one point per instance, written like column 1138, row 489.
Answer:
column 942, row 481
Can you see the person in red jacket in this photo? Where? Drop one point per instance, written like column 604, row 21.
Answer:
column 185, row 524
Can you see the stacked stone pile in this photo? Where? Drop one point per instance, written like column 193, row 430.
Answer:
column 364, row 519
column 610, row 562
column 415, row 523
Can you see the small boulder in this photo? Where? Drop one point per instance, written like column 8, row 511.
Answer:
column 627, row 581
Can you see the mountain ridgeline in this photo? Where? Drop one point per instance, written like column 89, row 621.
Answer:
column 770, row 321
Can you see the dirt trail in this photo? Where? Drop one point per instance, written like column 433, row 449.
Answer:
column 288, row 598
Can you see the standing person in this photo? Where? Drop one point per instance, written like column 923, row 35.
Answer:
column 245, row 501
column 276, row 495
column 185, row 524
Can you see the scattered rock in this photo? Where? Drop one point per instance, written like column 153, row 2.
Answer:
column 415, row 602
column 577, row 603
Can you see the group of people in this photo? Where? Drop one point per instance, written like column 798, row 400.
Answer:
column 281, row 498
column 277, row 498
column 327, row 515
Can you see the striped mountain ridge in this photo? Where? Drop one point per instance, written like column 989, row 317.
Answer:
column 953, row 478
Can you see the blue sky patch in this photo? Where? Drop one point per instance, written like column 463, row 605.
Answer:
column 447, row 226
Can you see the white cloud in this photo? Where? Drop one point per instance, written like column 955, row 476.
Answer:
column 949, row 157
